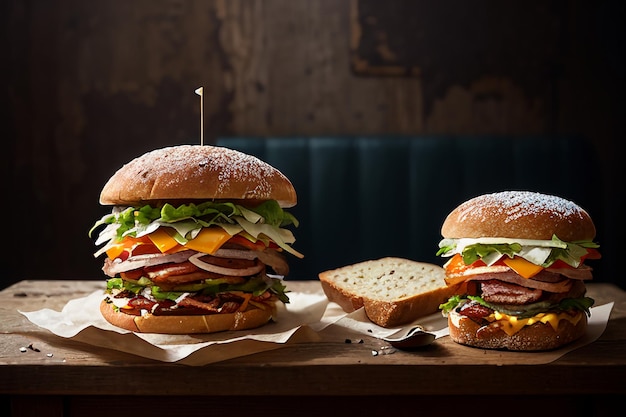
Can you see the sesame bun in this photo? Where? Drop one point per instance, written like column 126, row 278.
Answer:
column 194, row 172
column 209, row 323
column 519, row 214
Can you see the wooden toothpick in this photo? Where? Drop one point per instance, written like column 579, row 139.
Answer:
column 199, row 92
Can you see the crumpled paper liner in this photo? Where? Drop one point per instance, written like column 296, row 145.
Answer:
column 358, row 322
column 301, row 320
column 81, row 320
column 437, row 324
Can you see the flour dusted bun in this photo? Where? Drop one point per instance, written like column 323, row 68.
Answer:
column 535, row 337
column 194, row 172
column 519, row 214
column 393, row 291
column 209, row 323
column 524, row 297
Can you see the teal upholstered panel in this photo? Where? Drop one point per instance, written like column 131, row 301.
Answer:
column 367, row 197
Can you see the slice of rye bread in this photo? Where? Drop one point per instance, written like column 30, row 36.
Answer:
column 394, row 291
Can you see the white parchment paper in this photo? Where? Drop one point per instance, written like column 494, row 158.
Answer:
column 80, row 319
column 299, row 321
column 437, row 324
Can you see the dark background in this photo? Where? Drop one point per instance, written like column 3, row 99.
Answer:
column 91, row 85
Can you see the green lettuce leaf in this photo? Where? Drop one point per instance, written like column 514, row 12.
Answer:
column 568, row 252
column 472, row 253
column 526, row 311
column 263, row 222
column 255, row 285
column 450, row 304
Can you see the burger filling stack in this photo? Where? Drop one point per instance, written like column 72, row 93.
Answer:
column 196, row 241
column 520, row 259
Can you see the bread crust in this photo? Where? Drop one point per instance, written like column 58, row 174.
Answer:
column 210, row 323
column 519, row 214
column 388, row 312
column 536, row 337
column 406, row 310
column 193, row 172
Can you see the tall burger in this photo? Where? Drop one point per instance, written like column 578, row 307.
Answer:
column 520, row 257
column 195, row 242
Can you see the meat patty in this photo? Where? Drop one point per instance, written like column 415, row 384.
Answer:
column 499, row 292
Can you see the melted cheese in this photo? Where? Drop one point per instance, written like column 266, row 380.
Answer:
column 511, row 324
column 209, row 240
column 162, row 240
column 523, row 267
column 114, row 251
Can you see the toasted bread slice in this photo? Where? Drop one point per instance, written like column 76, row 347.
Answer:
column 394, row 291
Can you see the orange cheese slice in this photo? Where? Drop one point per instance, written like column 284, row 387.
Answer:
column 208, row 240
column 511, row 325
column 523, row 267
column 115, row 251
column 162, row 240
column 128, row 243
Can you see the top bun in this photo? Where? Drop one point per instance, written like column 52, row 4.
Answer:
column 521, row 215
column 194, row 172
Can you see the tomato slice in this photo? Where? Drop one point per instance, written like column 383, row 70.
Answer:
column 456, row 265
column 591, row 254
column 128, row 245
column 240, row 240
column 134, row 274
column 125, row 245
column 144, row 249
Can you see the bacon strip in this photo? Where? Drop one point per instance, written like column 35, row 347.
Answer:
column 583, row 272
column 563, row 285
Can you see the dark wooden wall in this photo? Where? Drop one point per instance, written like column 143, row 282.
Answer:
column 92, row 84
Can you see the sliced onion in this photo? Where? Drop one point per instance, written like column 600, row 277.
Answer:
column 237, row 272
column 236, row 254
column 141, row 261
column 275, row 260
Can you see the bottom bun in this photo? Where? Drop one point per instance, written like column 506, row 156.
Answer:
column 209, row 323
column 537, row 336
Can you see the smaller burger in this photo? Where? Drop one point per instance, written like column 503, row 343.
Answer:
column 195, row 242
column 520, row 257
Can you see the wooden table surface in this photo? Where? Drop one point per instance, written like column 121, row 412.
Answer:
column 68, row 376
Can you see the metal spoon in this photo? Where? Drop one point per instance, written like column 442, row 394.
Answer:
column 413, row 339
